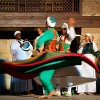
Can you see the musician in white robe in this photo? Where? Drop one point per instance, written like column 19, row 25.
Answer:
column 19, row 85
column 85, row 70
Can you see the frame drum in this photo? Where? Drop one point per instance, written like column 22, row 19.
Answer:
column 26, row 46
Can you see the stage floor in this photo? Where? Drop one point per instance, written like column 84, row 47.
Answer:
column 74, row 97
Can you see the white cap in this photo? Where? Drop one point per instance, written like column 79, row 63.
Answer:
column 16, row 32
column 51, row 21
column 88, row 34
column 65, row 25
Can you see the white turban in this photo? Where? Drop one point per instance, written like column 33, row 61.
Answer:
column 51, row 21
column 88, row 34
column 65, row 25
column 16, row 32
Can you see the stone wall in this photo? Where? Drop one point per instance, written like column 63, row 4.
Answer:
column 91, row 8
column 5, row 49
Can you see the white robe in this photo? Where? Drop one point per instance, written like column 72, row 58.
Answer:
column 17, row 52
column 19, row 85
column 87, row 71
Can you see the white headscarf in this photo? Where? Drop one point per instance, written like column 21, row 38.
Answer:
column 88, row 34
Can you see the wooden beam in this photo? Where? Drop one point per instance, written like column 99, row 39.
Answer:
column 39, row 20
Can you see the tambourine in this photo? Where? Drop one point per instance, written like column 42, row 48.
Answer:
column 26, row 46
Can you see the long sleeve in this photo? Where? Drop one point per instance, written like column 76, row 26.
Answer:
column 71, row 33
column 95, row 48
column 13, row 47
column 47, row 35
column 80, row 49
column 35, row 42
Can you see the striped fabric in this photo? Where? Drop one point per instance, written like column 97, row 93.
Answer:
column 30, row 68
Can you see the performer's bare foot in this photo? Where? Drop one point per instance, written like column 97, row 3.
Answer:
column 44, row 97
column 52, row 93
column 48, row 96
column 57, row 94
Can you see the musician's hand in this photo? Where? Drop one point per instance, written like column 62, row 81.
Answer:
column 71, row 22
column 83, row 44
column 35, row 52
column 21, row 45
column 26, row 40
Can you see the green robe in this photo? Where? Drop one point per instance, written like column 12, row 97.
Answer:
column 46, row 76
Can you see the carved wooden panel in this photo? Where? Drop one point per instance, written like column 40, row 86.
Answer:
column 8, row 5
column 35, row 5
column 62, row 6
column 69, row 6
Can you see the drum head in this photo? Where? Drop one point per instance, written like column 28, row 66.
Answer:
column 26, row 46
